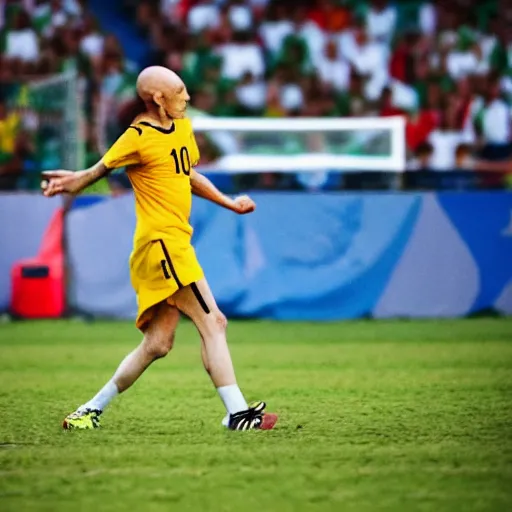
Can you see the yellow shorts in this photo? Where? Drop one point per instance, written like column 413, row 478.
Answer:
column 159, row 269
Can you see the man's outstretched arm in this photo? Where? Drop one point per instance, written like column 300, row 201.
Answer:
column 203, row 187
column 124, row 152
column 72, row 182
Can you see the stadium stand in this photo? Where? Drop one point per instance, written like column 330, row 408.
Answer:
column 445, row 66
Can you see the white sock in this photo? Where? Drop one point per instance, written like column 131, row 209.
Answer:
column 103, row 397
column 233, row 399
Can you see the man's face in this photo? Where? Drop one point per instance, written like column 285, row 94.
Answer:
column 175, row 104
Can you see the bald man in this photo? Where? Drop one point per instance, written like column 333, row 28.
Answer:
column 159, row 151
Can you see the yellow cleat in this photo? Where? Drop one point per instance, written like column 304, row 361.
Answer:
column 82, row 420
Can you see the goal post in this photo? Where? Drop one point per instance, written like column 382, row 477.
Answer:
column 304, row 144
column 57, row 106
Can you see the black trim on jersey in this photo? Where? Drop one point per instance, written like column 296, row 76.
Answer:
column 169, row 262
column 159, row 128
column 139, row 131
column 199, row 297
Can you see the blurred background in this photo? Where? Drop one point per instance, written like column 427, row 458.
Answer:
column 326, row 242
column 446, row 67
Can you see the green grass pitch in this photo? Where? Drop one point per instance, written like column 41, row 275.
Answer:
column 374, row 416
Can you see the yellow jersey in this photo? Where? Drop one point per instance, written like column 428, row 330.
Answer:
column 158, row 163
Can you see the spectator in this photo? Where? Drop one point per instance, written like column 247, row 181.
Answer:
column 422, row 158
column 368, row 58
column 427, row 18
column 275, row 27
column 420, row 124
column 203, row 15
column 251, row 94
column 500, row 58
column 353, row 103
column 332, row 68
column 223, row 33
column 273, row 102
column 15, row 148
column 49, row 16
column 387, row 106
column 404, row 97
column 403, row 64
column 466, row 60
column 330, row 16
column 9, row 128
column 240, row 16
column 241, row 56
column 21, row 41
column 295, row 55
column 463, row 158
column 92, row 40
column 448, row 23
column 446, row 138
column 291, row 98
column 308, row 32
column 496, row 118
column 381, row 21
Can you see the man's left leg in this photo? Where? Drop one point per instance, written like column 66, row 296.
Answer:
column 157, row 342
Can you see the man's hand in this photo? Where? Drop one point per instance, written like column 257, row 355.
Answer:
column 203, row 187
column 62, row 182
column 243, row 204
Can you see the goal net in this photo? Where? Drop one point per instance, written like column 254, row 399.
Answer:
column 245, row 145
column 56, row 107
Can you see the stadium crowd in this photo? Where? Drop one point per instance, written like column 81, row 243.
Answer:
column 445, row 66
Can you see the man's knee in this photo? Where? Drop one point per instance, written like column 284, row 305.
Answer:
column 159, row 335
column 219, row 321
column 214, row 324
column 158, row 345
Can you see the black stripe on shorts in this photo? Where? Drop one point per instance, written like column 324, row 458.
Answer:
column 169, row 262
column 200, row 298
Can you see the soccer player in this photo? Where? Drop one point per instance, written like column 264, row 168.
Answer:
column 159, row 151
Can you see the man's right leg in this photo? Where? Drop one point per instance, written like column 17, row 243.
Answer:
column 197, row 302
column 157, row 342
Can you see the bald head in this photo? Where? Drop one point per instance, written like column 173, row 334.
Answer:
column 161, row 87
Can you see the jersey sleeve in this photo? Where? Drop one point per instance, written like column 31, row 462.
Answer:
column 124, row 151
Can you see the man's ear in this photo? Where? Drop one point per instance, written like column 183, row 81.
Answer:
column 158, row 98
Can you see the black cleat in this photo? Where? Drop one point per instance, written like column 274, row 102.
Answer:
column 250, row 419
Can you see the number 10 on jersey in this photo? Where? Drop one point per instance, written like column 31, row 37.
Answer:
column 183, row 163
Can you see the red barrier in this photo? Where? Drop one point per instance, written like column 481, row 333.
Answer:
column 38, row 288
